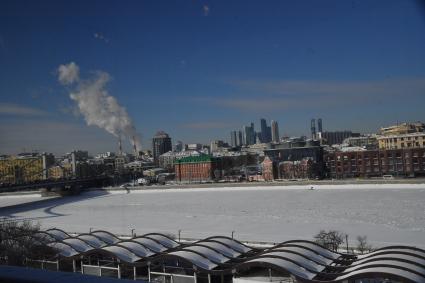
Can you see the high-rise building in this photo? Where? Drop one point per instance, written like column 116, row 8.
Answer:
column 275, row 131
column 216, row 145
column 233, row 139
column 178, row 146
column 266, row 134
column 313, row 128
column 253, row 134
column 161, row 143
column 263, row 129
column 239, row 139
column 319, row 125
column 248, row 134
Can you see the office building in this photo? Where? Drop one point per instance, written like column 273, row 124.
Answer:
column 265, row 135
column 319, row 125
column 194, row 146
column 376, row 163
column 402, row 129
column 161, row 143
column 195, row 168
column 313, row 128
column 413, row 140
column 337, row 137
column 217, row 145
column 368, row 142
column 168, row 159
column 275, row 131
column 24, row 168
column 239, row 138
column 248, row 134
column 233, row 139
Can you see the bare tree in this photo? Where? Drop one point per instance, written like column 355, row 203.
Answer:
column 331, row 239
column 362, row 244
column 17, row 242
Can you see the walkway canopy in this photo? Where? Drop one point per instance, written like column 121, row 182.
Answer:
column 219, row 255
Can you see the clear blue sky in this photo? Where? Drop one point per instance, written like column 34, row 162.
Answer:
column 199, row 69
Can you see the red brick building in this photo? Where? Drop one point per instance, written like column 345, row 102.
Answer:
column 267, row 169
column 195, row 168
column 376, row 163
column 300, row 169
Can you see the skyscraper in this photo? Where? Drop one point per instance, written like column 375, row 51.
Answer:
column 233, row 139
column 313, row 128
column 240, row 139
column 319, row 125
column 275, row 131
column 266, row 135
column 161, row 143
column 253, row 135
column 248, row 134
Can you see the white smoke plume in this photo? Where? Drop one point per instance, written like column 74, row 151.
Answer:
column 69, row 73
column 98, row 107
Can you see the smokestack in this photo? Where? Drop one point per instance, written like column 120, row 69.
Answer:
column 97, row 106
column 119, row 146
column 135, row 147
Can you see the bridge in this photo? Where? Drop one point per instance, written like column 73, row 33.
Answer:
column 66, row 186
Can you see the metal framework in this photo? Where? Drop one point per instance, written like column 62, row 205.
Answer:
column 219, row 257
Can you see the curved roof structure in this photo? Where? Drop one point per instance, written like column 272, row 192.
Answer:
column 105, row 236
column 162, row 239
column 313, row 247
column 209, row 253
column 232, row 243
column 195, row 258
column 58, row 233
column 151, row 244
column 305, row 260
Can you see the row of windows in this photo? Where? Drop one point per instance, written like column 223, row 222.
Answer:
column 382, row 156
column 394, row 140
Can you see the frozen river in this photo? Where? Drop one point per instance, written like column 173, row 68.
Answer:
column 387, row 214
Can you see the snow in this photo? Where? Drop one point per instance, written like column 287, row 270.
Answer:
column 9, row 200
column 388, row 214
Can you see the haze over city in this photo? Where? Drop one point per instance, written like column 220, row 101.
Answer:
column 200, row 69
column 212, row 141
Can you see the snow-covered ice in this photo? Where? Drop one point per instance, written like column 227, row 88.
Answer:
column 387, row 214
column 8, row 200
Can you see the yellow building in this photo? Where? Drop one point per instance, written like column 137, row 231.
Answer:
column 402, row 129
column 59, row 172
column 24, row 168
column 17, row 170
column 414, row 140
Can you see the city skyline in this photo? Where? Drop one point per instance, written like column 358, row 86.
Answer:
column 199, row 73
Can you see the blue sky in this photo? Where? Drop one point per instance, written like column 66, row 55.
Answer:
column 199, row 69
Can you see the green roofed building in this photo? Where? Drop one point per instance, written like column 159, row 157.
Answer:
column 195, row 168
